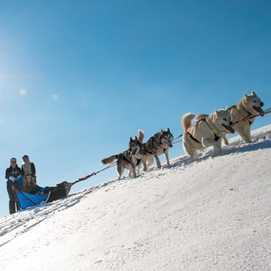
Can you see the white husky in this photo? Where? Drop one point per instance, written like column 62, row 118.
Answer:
column 206, row 131
column 243, row 114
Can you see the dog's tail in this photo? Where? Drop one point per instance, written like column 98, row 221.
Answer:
column 186, row 121
column 140, row 135
column 110, row 159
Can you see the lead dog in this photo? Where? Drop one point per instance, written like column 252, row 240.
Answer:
column 206, row 131
column 244, row 113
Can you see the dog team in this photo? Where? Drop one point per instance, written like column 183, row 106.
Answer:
column 200, row 131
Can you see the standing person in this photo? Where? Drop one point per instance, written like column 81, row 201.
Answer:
column 13, row 173
column 29, row 174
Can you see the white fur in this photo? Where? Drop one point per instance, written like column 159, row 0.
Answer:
column 203, row 131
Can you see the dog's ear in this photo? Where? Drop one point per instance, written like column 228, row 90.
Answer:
column 131, row 140
column 136, row 138
column 168, row 130
column 253, row 93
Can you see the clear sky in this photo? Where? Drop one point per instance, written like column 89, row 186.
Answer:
column 78, row 78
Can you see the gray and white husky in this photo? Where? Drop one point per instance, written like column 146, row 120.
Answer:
column 125, row 160
column 244, row 113
column 206, row 131
column 157, row 144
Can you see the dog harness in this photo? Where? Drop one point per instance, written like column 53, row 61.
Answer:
column 216, row 136
column 145, row 149
column 242, row 108
column 152, row 144
column 193, row 138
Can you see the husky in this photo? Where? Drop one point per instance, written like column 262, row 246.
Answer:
column 206, row 131
column 244, row 113
column 158, row 144
column 125, row 160
column 128, row 159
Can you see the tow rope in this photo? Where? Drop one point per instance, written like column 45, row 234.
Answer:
column 81, row 179
column 177, row 139
column 267, row 111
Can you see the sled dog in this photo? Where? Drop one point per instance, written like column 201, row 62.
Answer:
column 244, row 113
column 158, row 144
column 125, row 160
column 206, row 131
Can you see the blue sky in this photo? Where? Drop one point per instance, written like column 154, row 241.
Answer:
column 78, row 78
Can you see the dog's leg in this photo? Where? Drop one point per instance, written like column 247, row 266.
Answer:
column 207, row 142
column 226, row 141
column 130, row 172
column 218, row 147
column 144, row 161
column 188, row 148
column 138, row 171
column 134, row 171
column 138, row 168
column 191, row 147
column 167, row 157
column 247, row 133
column 120, row 169
column 244, row 132
column 157, row 161
column 150, row 160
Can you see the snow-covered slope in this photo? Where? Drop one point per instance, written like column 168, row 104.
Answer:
column 213, row 214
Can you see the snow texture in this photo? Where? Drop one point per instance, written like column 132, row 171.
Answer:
column 211, row 214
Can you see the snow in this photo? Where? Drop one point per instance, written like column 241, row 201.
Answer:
column 212, row 214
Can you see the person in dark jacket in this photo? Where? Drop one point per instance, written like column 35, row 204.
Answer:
column 12, row 175
column 29, row 174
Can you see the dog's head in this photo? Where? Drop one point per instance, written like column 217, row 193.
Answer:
column 166, row 139
column 253, row 104
column 222, row 120
column 134, row 146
